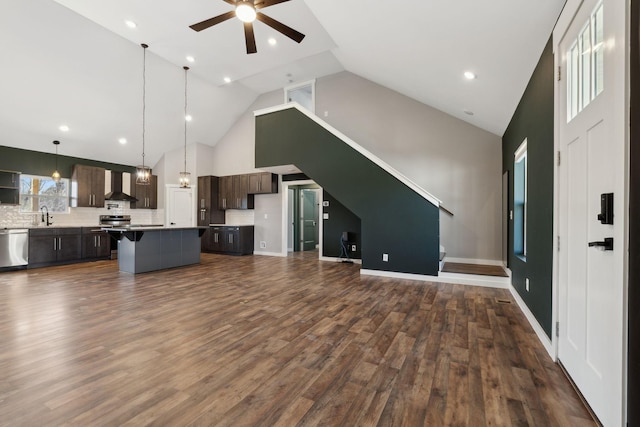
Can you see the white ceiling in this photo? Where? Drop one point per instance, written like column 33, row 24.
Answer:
column 76, row 62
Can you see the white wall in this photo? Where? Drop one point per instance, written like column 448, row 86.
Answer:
column 457, row 162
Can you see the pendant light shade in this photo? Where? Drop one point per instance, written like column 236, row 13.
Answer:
column 56, row 175
column 185, row 177
column 143, row 173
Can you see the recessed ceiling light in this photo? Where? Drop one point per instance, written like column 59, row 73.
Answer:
column 130, row 24
column 122, row 141
column 227, row 80
column 188, row 117
column 273, row 41
column 470, row 75
column 468, row 112
column 190, row 58
column 64, row 128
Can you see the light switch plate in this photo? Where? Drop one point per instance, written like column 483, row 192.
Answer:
column 325, row 216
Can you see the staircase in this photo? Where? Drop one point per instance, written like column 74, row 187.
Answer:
column 398, row 218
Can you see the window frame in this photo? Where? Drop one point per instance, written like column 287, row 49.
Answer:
column 520, row 160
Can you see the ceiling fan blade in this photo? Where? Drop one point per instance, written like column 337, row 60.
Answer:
column 249, row 38
column 259, row 4
column 231, row 2
column 212, row 21
column 279, row 26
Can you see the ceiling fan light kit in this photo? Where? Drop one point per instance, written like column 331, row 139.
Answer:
column 248, row 12
column 245, row 11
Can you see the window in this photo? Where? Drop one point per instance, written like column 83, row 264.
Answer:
column 38, row 191
column 520, row 201
column 303, row 94
column 585, row 65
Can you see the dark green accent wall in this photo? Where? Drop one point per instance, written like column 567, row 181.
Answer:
column 533, row 120
column 394, row 219
column 43, row 164
column 340, row 219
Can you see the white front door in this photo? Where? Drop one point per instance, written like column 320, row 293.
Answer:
column 180, row 207
column 592, row 145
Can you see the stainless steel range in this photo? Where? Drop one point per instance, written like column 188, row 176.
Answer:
column 114, row 221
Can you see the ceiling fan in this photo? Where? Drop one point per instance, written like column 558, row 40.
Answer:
column 247, row 12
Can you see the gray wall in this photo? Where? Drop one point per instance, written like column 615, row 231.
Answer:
column 455, row 161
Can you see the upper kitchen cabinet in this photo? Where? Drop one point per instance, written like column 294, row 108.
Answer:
column 234, row 192
column 9, row 187
column 147, row 195
column 208, row 211
column 263, row 183
column 87, row 187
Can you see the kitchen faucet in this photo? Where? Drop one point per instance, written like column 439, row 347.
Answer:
column 43, row 215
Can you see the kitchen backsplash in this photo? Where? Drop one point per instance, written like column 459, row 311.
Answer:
column 11, row 217
column 239, row 217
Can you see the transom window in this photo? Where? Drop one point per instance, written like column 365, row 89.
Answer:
column 39, row 191
column 585, row 65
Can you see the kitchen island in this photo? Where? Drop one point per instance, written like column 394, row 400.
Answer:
column 150, row 248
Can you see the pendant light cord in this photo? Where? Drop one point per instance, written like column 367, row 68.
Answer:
column 185, row 117
column 144, row 94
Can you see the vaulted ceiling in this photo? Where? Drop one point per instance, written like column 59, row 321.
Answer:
column 76, row 62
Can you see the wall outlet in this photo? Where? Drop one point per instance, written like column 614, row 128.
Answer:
column 385, row 257
column 353, row 248
column 526, row 284
column 325, row 203
column 263, row 244
column 266, row 216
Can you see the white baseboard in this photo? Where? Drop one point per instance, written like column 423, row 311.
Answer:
column 542, row 336
column 474, row 261
column 460, row 279
column 475, row 280
column 279, row 254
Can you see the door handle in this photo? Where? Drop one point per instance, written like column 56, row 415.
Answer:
column 607, row 245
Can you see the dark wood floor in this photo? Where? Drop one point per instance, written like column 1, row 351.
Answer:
column 264, row 341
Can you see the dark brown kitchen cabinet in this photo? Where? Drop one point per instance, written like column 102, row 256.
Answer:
column 147, row 195
column 95, row 244
column 263, row 183
column 87, row 187
column 54, row 245
column 208, row 211
column 9, row 187
column 234, row 192
column 232, row 240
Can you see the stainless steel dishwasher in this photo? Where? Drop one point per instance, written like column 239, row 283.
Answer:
column 14, row 247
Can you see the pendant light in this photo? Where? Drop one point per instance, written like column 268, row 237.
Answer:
column 143, row 173
column 56, row 175
column 185, row 176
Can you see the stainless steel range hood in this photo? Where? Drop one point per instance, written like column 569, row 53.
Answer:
column 116, row 189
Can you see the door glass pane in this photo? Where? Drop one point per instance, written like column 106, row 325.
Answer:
column 585, row 66
column 598, row 52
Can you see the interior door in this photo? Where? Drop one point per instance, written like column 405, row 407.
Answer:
column 180, row 207
column 590, row 276
column 308, row 219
